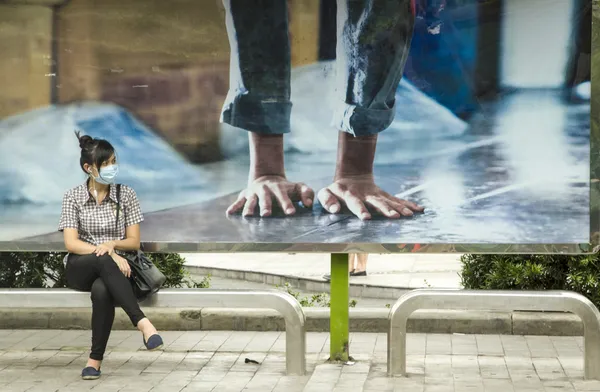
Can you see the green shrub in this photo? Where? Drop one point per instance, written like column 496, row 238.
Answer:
column 32, row 270
column 533, row 272
column 46, row 270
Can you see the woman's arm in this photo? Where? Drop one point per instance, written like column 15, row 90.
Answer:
column 74, row 245
column 132, row 213
column 132, row 239
column 69, row 224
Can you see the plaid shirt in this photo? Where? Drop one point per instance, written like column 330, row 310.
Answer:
column 96, row 224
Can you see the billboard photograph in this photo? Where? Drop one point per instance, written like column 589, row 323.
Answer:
column 310, row 125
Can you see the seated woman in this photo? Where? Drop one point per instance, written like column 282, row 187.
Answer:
column 94, row 239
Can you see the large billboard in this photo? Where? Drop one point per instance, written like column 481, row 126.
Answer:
column 304, row 125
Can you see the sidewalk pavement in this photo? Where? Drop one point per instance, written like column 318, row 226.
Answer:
column 389, row 270
column 51, row 360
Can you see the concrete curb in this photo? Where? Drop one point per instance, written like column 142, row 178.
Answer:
column 357, row 290
column 317, row 320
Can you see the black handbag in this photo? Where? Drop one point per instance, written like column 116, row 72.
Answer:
column 145, row 278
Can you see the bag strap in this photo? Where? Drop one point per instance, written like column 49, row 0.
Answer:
column 118, row 205
column 118, row 209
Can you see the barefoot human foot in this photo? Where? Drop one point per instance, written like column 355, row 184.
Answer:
column 358, row 193
column 354, row 185
column 264, row 190
column 267, row 181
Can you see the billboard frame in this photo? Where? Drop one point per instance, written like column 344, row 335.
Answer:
column 390, row 248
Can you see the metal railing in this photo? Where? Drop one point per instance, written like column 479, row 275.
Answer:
column 453, row 299
column 288, row 306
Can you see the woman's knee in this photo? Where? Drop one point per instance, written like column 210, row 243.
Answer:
column 106, row 262
column 100, row 294
column 105, row 259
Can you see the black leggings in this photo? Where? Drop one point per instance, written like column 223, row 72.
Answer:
column 109, row 287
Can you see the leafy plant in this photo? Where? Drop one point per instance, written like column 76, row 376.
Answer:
column 173, row 266
column 32, row 270
column 315, row 300
column 46, row 270
column 579, row 273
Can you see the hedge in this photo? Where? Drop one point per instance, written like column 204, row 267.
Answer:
column 533, row 272
column 46, row 270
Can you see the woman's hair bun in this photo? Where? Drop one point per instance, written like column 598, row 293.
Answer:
column 84, row 141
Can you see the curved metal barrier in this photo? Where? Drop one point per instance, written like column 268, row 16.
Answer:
column 453, row 299
column 288, row 306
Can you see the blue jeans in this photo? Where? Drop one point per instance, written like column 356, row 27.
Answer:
column 373, row 42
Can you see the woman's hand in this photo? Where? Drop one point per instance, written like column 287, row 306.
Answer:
column 105, row 248
column 123, row 264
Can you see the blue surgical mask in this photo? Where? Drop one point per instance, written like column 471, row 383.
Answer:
column 107, row 175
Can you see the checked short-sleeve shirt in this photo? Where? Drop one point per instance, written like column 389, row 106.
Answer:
column 96, row 224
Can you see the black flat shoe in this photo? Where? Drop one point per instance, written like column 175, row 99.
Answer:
column 89, row 373
column 358, row 273
column 154, row 342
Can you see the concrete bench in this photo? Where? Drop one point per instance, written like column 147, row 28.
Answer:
column 288, row 306
column 453, row 299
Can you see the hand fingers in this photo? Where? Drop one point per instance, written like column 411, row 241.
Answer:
column 236, row 205
column 284, row 201
column 401, row 208
column 265, row 202
column 383, row 207
column 356, row 206
column 409, row 204
column 250, row 206
column 329, row 202
column 125, row 268
column 307, row 195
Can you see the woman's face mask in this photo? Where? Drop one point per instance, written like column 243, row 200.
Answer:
column 107, row 174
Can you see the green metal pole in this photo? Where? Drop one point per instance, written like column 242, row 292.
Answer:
column 339, row 310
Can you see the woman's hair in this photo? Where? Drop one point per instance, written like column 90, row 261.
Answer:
column 94, row 152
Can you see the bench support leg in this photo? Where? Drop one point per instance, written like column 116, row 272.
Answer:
column 339, row 312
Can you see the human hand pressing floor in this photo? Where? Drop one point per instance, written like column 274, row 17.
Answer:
column 354, row 185
column 359, row 193
column 263, row 191
column 267, row 182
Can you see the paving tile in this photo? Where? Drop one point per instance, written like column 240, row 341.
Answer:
column 439, row 344
column 34, row 340
column 215, row 361
column 187, row 341
column 212, row 341
column 263, row 341
column 489, row 345
column 200, row 386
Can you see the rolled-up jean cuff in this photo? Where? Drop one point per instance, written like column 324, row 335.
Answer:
column 360, row 121
column 258, row 115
